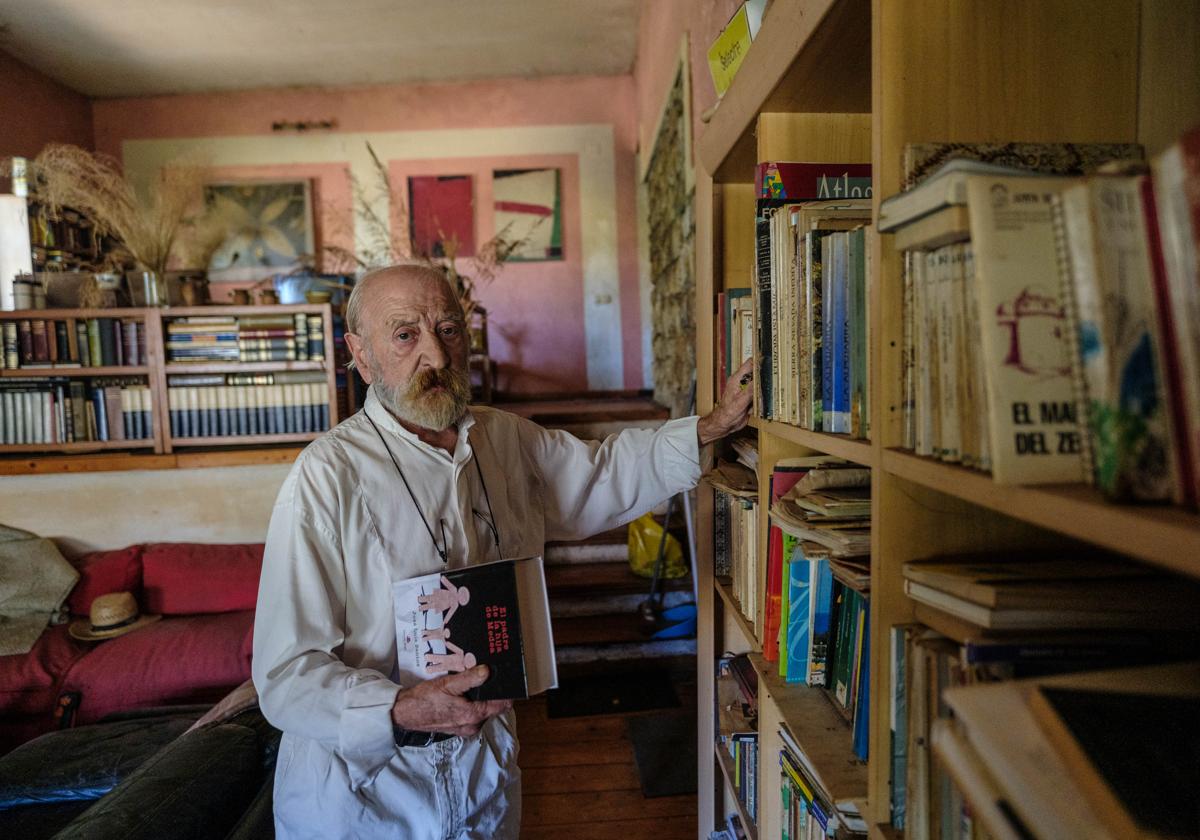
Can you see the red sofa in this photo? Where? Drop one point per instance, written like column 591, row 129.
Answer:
column 198, row 652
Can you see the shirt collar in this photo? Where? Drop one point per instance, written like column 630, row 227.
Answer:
column 387, row 421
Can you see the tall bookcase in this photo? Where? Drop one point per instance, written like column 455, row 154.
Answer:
column 917, row 70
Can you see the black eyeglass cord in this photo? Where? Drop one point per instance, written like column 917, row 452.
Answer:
column 444, row 547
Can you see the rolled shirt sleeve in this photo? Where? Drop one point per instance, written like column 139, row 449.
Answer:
column 304, row 687
column 592, row 487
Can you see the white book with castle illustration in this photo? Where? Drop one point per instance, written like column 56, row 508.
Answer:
column 495, row 614
column 1024, row 335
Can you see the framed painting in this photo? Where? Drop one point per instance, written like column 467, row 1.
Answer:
column 528, row 209
column 271, row 224
column 443, row 217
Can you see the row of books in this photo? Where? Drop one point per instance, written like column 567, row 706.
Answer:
column 52, row 411
column 73, row 342
column 993, row 618
column 810, row 315
column 808, row 812
column 237, row 410
column 246, row 338
column 1051, row 329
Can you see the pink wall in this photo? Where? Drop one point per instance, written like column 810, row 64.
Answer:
column 536, row 310
column 660, row 31
column 36, row 110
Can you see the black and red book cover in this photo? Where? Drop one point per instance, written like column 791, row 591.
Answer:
column 494, row 614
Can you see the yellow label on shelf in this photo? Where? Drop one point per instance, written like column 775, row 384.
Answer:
column 726, row 54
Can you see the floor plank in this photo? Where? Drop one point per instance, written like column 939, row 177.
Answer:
column 670, row 828
column 579, row 781
column 585, row 806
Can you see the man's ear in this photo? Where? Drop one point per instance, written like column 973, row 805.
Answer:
column 358, row 350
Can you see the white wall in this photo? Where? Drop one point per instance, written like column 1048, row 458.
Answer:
column 103, row 510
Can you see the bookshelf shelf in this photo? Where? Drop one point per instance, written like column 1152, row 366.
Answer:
column 819, row 729
column 726, row 765
column 1165, row 536
column 797, row 42
column 240, row 440
column 842, row 446
column 725, row 590
column 74, row 372
column 81, row 446
column 173, row 368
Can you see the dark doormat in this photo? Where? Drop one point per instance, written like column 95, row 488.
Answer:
column 664, row 747
column 606, row 694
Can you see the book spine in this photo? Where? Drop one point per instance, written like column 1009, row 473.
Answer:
column 828, row 308
column 25, row 342
column 40, row 342
column 1072, row 239
column 841, row 338
column 762, row 318
column 12, row 347
column 83, row 347
column 316, row 338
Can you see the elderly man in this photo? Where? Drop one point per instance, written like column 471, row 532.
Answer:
column 415, row 483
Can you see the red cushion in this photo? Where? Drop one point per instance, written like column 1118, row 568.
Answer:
column 102, row 572
column 180, row 659
column 29, row 681
column 189, row 578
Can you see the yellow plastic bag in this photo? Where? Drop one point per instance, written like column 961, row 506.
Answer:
column 644, row 536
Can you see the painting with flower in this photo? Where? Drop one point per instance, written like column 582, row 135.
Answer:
column 271, row 229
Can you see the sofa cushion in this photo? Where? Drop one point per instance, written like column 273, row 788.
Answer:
column 85, row 762
column 177, row 660
column 196, row 787
column 102, row 572
column 29, row 681
column 190, row 578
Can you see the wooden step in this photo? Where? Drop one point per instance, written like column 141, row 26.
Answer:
column 598, row 629
column 601, row 579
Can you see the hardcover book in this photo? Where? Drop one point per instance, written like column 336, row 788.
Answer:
column 493, row 614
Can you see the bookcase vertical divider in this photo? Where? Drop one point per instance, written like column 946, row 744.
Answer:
column 156, row 357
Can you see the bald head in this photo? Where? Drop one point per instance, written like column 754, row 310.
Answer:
column 392, row 277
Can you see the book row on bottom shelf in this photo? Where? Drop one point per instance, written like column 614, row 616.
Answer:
column 220, row 405
column 988, row 626
column 1050, row 317
column 59, row 410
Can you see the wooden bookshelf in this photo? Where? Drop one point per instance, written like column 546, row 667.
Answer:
column 74, row 372
column 156, row 371
column 725, row 590
column 842, row 446
column 923, row 70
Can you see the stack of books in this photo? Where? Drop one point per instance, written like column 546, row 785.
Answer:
column 200, row 339
column 286, row 337
column 735, row 535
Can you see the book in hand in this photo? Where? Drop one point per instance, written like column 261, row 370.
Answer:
column 493, row 614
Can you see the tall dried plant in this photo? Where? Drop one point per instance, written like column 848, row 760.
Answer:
column 146, row 227
column 385, row 240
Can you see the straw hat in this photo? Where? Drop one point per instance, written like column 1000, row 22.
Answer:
column 111, row 615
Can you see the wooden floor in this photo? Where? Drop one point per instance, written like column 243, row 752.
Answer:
column 580, row 782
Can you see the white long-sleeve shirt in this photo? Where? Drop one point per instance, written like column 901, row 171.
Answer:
column 343, row 529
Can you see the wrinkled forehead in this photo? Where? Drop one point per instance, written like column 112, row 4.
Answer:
column 410, row 298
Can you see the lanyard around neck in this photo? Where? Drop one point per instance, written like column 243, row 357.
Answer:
column 442, row 550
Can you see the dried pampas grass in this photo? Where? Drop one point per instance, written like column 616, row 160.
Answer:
column 147, row 226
